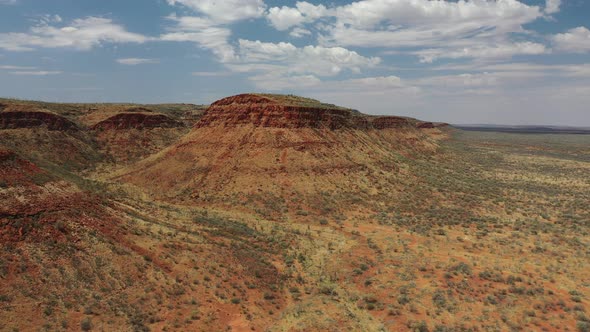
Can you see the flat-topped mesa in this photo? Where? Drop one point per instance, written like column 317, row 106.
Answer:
column 33, row 119
column 137, row 119
column 279, row 111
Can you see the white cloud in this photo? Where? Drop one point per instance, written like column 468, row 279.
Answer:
column 273, row 81
column 402, row 24
column 210, row 28
column 47, row 19
column 552, row 6
column 7, row 67
column 506, row 15
column 523, row 69
column 8, row 2
column 82, row 34
column 36, row 73
column 202, row 31
column 299, row 32
column 395, row 22
column 316, row 60
column 284, row 18
column 483, row 51
column 277, row 66
column 575, row 40
column 225, row 11
column 137, row 61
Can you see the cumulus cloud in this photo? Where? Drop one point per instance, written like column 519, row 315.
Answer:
column 399, row 24
column 210, row 26
column 226, row 11
column 284, row 18
column 552, row 6
column 202, row 31
column 427, row 23
column 81, row 34
column 276, row 66
column 575, row 40
column 137, row 61
column 317, row 60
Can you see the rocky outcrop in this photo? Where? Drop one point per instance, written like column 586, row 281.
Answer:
column 425, row 125
column 34, row 119
column 263, row 111
column 137, row 121
column 289, row 112
column 385, row 122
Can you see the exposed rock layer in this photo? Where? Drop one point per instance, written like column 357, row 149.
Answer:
column 266, row 111
column 33, row 119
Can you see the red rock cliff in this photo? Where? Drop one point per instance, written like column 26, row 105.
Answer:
column 288, row 112
column 267, row 112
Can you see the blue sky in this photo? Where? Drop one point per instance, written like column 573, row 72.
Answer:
column 479, row 61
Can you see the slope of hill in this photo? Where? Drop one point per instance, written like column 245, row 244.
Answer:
column 259, row 149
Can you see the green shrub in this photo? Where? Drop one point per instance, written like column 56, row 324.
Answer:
column 86, row 324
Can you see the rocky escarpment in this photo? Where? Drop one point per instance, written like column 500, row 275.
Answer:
column 131, row 120
column 270, row 111
column 279, row 111
column 33, row 119
column 385, row 122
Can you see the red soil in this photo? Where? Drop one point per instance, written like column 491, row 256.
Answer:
column 17, row 171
